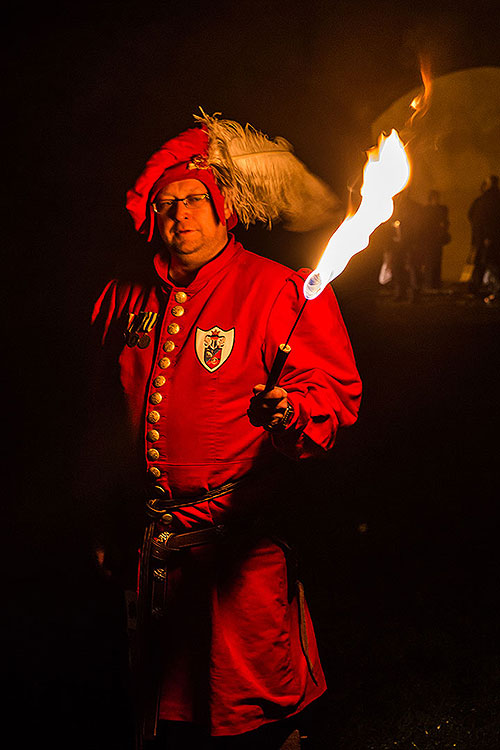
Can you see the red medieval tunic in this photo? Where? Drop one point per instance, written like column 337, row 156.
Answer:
column 234, row 658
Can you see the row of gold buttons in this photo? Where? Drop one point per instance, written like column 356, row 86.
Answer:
column 160, row 380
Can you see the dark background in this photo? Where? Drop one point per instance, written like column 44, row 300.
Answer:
column 400, row 541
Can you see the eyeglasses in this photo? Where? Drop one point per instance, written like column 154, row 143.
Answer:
column 190, row 201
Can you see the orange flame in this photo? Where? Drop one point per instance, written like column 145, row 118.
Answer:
column 421, row 102
column 385, row 174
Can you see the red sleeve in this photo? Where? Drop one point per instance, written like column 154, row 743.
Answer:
column 320, row 374
column 108, row 306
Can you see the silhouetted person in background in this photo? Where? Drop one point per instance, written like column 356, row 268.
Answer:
column 484, row 215
column 403, row 249
column 477, row 256
column 434, row 235
column 488, row 218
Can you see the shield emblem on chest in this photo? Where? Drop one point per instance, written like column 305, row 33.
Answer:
column 213, row 347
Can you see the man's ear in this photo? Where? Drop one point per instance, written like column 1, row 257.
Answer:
column 228, row 209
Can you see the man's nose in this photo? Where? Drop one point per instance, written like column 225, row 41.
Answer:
column 179, row 210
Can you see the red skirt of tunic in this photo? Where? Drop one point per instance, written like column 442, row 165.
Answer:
column 233, row 654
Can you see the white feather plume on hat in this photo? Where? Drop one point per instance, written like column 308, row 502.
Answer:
column 263, row 180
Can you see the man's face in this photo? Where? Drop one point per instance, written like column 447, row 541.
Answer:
column 192, row 233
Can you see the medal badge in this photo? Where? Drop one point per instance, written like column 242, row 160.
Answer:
column 138, row 328
column 132, row 338
column 144, row 341
column 213, row 347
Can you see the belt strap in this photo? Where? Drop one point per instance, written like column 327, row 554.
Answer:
column 157, row 506
column 169, row 541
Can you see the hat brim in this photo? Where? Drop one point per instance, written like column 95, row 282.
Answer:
column 186, row 171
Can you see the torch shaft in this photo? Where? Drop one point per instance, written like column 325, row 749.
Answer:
column 281, row 356
column 296, row 321
column 278, row 364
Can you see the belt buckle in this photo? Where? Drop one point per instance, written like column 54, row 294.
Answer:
column 159, row 545
column 163, row 537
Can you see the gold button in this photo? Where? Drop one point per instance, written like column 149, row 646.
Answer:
column 177, row 310
column 154, row 471
column 153, row 454
column 173, row 328
column 164, row 363
column 167, row 519
column 153, row 436
column 168, row 346
column 159, row 381
column 153, row 417
column 155, row 398
column 180, row 297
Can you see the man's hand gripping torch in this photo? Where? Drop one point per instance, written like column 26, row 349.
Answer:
column 269, row 407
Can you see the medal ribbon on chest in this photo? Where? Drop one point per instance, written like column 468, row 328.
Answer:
column 139, row 327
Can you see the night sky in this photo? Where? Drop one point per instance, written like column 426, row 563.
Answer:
column 94, row 88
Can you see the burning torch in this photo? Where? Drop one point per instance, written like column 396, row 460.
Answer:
column 386, row 173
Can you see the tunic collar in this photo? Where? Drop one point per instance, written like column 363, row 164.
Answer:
column 205, row 273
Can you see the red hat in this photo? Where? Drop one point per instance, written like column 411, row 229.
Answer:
column 260, row 178
column 181, row 158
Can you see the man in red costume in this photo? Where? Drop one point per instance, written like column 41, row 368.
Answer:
column 230, row 650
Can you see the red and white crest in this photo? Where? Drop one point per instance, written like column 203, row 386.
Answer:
column 213, row 347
